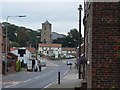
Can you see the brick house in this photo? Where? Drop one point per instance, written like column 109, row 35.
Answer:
column 102, row 34
column 0, row 48
column 12, row 58
column 4, row 43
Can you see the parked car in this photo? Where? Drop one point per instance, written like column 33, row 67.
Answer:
column 43, row 63
column 69, row 62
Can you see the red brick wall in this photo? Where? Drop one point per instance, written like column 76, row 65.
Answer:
column 0, row 48
column 105, row 36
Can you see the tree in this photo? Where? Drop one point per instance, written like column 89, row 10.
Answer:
column 11, row 30
column 14, row 44
column 71, row 40
column 22, row 36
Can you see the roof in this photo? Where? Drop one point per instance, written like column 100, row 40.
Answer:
column 46, row 22
column 12, row 54
column 32, row 50
column 14, row 48
column 68, row 49
column 50, row 45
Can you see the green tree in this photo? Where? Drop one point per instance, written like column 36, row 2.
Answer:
column 22, row 36
column 14, row 44
column 71, row 40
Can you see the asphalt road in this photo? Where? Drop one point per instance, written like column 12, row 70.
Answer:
column 41, row 79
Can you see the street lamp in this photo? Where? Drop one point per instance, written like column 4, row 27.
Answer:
column 80, row 8
column 7, row 39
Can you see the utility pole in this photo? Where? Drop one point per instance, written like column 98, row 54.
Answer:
column 80, row 8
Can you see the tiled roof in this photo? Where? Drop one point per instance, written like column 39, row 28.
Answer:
column 32, row 50
column 68, row 49
column 50, row 45
column 14, row 48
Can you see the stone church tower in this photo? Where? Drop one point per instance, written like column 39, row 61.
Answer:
column 46, row 32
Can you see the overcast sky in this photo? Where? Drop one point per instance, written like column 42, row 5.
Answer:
column 62, row 14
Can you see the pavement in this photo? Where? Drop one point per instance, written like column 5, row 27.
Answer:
column 68, row 81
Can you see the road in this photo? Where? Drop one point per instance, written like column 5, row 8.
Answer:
column 41, row 79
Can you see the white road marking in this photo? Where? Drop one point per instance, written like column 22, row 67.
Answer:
column 30, row 79
column 14, row 83
column 56, row 80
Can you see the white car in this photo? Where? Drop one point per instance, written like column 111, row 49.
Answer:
column 69, row 62
column 43, row 63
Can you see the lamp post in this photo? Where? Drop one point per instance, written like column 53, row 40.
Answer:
column 80, row 8
column 6, row 46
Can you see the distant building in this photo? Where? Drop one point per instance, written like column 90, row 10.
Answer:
column 50, row 49
column 46, row 33
column 23, row 54
column 102, row 35
column 68, row 52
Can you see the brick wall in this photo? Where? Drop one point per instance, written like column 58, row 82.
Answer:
column 105, row 36
column 0, row 49
column 104, row 67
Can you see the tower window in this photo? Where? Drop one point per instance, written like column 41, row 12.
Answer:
column 44, row 40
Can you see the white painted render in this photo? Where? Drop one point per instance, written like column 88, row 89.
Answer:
column 26, row 56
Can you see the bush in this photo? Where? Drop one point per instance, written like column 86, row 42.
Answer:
column 18, row 65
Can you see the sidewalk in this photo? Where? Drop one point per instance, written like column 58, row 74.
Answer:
column 69, row 81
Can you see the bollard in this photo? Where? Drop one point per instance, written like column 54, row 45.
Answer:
column 58, row 77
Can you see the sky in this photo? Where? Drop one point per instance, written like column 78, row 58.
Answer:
column 62, row 14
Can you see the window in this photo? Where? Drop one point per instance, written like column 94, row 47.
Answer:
column 47, row 52
column 44, row 40
column 21, row 52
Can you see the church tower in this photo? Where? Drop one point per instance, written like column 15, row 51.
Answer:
column 46, row 32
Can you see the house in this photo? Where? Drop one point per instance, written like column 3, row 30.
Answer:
column 23, row 54
column 0, row 47
column 68, row 52
column 11, row 62
column 53, row 50
column 102, row 35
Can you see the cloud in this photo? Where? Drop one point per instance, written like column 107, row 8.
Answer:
column 62, row 15
column 40, row 1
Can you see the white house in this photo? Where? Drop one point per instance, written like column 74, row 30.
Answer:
column 68, row 52
column 22, row 53
column 50, row 49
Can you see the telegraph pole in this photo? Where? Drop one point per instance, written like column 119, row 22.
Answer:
column 80, row 8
